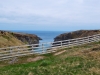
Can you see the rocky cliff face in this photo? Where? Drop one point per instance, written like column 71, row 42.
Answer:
column 76, row 34
column 15, row 39
column 27, row 38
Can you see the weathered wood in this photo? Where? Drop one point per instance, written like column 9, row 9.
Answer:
column 17, row 51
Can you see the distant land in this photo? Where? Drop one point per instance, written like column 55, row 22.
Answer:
column 76, row 34
column 8, row 39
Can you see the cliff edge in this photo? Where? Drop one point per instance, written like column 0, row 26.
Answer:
column 76, row 34
column 8, row 39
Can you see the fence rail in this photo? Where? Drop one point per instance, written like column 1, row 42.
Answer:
column 44, row 48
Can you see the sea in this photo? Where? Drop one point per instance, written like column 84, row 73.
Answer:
column 46, row 36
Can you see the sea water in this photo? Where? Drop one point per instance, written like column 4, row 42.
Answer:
column 46, row 36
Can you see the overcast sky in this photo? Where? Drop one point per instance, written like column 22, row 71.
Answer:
column 60, row 15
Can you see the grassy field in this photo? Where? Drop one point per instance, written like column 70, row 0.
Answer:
column 78, row 60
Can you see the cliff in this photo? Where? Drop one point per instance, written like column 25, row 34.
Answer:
column 27, row 38
column 76, row 34
column 16, row 39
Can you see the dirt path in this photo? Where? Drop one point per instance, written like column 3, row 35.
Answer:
column 59, row 52
column 42, row 57
column 35, row 59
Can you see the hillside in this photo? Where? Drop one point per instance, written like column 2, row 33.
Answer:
column 78, row 60
column 76, row 34
column 16, row 39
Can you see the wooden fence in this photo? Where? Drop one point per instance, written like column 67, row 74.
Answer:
column 44, row 48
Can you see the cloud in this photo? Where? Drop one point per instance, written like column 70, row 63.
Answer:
column 49, row 11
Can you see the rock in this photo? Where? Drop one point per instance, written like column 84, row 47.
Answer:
column 76, row 34
column 8, row 39
column 27, row 38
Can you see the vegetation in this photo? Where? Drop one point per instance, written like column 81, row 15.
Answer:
column 8, row 39
column 78, row 60
column 76, row 34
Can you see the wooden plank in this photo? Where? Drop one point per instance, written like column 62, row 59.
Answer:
column 10, row 52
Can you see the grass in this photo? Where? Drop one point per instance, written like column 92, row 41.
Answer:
column 8, row 39
column 78, row 60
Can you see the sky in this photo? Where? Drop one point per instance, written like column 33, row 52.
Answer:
column 49, row 15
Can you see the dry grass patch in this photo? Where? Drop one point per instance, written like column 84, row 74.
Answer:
column 95, row 70
column 58, row 53
column 35, row 59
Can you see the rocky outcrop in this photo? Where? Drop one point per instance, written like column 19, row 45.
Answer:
column 76, row 34
column 27, row 38
column 15, row 39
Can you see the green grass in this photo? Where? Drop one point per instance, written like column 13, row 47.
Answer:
column 79, row 60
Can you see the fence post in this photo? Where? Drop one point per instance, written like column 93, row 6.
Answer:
column 14, row 58
column 97, row 38
column 83, row 40
column 42, row 47
column 68, row 43
column 32, row 48
column 61, row 44
column 10, row 51
column 88, row 40
column 93, row 38
column 75, row 42
column 18, row 51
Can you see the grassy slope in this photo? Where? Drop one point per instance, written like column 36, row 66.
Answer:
column 9, row 40
column 79, row 60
